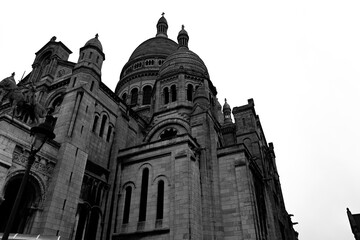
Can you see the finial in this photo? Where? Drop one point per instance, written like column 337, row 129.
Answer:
column 53, row 39
column 225, row 100
column 163, row 14
column 182, row 27
column 13, row 74
column 96, row 35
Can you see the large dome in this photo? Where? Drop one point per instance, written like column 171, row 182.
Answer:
column 154, row 48
column 184, row 60
column 157, row 46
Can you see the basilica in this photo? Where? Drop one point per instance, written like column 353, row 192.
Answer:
column 158, row 158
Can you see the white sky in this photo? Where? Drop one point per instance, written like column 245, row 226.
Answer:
column 298, row 60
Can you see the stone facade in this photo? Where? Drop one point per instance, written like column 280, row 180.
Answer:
column 159, row 158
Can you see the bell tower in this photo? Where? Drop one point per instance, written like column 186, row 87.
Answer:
column 91, row 58
column 46, row 60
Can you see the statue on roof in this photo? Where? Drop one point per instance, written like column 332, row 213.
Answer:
column 22, row 99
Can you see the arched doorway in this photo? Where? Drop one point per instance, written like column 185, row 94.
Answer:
column 27, row 207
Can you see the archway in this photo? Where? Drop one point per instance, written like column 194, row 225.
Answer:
column 27, row 205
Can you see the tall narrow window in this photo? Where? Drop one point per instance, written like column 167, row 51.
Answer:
column 126, row 215
column 82, row 55
column 96, row 119
column 134, row 96
column 190, row 90
column 124, row 96
column 109, row 133
column 102, row 127
column 173, row 93
column 160, row 201
column 97, row 59
column 146, row 95
column 82, row 214
column 166, row 95
column 143, row 195
column 90, row 55
column 92, row 86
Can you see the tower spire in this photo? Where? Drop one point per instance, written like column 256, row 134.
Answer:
column 162, row 27
column 227, row 112
column 183, row 38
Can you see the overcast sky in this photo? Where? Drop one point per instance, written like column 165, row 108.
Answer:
column 298, row 60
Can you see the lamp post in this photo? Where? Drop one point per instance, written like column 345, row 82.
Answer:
column 41, row 134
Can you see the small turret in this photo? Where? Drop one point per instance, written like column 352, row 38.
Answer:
column 162, row 27
column 227, row 112
column 91, row 55
column 183, row 38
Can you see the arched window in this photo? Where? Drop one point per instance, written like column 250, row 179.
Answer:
column 168, row 133
column 189, row 92
column 54, row 107
column 166, row 95
column 92, row 226
column 102, row 127
column 134, row 96
column 146, row 95
column 124, row 96
column 143, row 195
column 82, row 214
column 27, row 208
column 126, row 214
column 109, row 133
column 173, row 93
column 96, row 119
column 160, row 201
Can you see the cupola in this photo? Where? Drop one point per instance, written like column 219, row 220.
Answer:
column 227, row 112
column 162, row 27
column 183, row 38
column 94, row 42
column 91, row 55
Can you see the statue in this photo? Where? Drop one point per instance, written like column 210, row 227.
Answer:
column 12, row 92
column 22, row 100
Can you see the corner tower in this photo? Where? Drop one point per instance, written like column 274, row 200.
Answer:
column 47, row 59
column 91, row 56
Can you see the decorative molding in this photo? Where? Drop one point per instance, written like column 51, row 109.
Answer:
column 41, row 164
